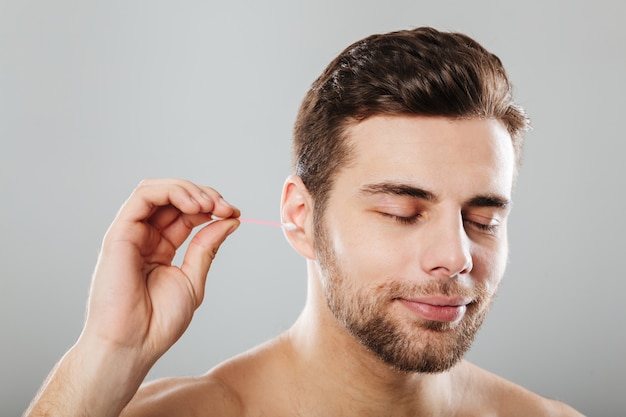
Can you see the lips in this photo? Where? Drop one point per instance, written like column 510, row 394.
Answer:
column 437, row 308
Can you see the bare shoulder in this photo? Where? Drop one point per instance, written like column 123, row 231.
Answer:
column 238, row 387
column 506, row 398
column 202, row 396
column 261, row 378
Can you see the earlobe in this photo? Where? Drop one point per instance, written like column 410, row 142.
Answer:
column 297, row 208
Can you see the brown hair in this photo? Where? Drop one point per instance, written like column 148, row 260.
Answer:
column 421, row 72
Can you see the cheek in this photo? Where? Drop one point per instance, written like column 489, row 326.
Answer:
column 362, row 255
column 367, row 256
column 489, row 266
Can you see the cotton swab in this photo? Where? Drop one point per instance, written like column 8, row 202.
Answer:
column 287, row 226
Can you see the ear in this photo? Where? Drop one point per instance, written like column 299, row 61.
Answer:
column 297, row 207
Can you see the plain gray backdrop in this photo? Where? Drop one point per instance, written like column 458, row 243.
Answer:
column 95, row 96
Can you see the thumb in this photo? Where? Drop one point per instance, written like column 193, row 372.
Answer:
column 201, row 252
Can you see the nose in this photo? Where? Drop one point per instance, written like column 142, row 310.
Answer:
column 446, row 248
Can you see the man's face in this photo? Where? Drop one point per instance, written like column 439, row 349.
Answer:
column 412, row 243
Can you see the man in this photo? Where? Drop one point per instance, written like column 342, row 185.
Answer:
column 405, row 153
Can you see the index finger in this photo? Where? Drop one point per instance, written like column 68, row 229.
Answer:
column 183, row 195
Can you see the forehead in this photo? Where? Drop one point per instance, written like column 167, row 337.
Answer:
column 451, row 156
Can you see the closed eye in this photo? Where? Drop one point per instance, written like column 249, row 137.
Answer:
column 482, row 227
column 403, row 219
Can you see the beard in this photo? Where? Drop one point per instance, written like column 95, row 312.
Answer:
column 408, row 344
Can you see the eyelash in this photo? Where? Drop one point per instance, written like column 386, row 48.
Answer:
column 485, row 228
column 402, row 219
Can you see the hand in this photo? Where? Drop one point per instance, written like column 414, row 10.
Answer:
column 139, row 300
column 140, row 304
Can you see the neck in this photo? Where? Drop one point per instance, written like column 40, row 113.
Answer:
column 328, row 356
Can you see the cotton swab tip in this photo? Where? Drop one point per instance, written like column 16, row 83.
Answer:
column 290, row 227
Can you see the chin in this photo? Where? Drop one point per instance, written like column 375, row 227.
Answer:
column 418, row 346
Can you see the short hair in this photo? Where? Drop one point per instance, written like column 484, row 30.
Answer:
column 411, row 72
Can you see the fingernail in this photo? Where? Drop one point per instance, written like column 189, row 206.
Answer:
column 225, row 202
column 205, row 196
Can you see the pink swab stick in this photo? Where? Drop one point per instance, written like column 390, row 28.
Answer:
column 286, row 226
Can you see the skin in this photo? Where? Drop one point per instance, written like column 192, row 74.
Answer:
column 454, row 236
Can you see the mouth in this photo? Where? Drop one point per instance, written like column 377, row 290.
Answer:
column 437, row 308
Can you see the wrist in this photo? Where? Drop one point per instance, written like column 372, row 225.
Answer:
column 92, row 380
column 110, row 375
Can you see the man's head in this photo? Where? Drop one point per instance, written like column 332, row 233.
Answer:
column 406, row 148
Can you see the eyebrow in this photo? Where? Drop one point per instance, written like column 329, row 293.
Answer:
column 398, row 189
column 407, row 190
column 489, row 201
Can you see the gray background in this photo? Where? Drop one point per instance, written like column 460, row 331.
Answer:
column 95, row 96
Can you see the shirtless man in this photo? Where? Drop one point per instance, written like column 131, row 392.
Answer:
column 405, row 154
